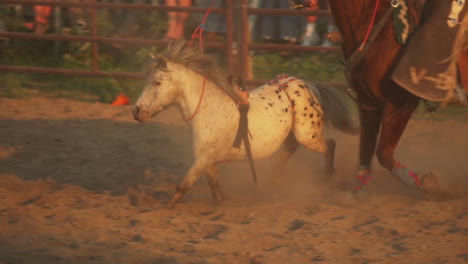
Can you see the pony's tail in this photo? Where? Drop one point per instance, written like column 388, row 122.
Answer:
column 336, row 110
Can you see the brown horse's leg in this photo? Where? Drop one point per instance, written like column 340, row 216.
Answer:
column 394, row 121
column 212, row 176
column 290, row 146
column 370, row 125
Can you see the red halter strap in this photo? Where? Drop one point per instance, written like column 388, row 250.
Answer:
column 198, row 32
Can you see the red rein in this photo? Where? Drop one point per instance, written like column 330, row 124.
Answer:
column 198, row 32
column 371, row 26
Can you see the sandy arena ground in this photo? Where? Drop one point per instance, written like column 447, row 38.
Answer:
column 84, row 183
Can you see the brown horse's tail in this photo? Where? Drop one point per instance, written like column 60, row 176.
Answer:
column 336, row 110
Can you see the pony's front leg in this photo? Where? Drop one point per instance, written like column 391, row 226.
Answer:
column 212, row 176
column 197, row 169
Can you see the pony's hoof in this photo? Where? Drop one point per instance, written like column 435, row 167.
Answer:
column 349, row 197
column 361, row 195
column 170, row 205
column 218, row 203
column 429, row 183
column 174, row 200
column 341, row 185
column 218, row 196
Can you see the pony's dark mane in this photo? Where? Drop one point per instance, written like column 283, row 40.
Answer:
column 201, row 63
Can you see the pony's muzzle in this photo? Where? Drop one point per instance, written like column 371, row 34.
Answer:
column 139, row 114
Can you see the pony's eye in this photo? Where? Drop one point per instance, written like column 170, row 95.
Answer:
column 156, row 83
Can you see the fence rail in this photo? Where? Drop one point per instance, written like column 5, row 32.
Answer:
column 236, row 12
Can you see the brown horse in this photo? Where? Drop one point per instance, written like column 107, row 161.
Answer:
column 384, row 106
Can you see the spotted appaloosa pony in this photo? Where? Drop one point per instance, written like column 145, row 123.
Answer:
column 287, row 110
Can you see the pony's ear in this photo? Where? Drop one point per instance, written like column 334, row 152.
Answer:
column 159, row 59
column 160, row 62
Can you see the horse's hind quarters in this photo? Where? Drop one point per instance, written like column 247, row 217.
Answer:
column 139, row 114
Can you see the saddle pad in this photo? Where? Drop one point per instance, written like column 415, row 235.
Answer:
column 427, row 67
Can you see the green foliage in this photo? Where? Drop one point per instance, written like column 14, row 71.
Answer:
column 314, row 66
column 104, row 23
column 101, row 89
column 12, row 86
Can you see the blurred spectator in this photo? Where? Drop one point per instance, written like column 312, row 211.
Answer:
column 176, row 23
column 80, row 17
column 41, row 19
column 311, row 35
column 215, row 26
column 2, row 15
column 283, row 29
column 331, row 28
column 253, row 19
column 127, row 20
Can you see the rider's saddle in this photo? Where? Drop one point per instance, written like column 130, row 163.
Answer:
column 435, row 60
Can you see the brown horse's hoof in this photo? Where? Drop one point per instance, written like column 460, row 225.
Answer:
column 429, row 183
column 430, row 186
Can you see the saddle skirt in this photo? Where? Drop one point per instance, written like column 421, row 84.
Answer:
column 435, row 60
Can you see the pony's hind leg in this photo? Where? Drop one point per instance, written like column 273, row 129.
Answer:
column 290, row 146
column 212, row 177
column 330, row 157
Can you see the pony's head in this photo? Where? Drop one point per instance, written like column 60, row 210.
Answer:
column 160, row 90
column 167, row 77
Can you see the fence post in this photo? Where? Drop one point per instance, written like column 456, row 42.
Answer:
column 241, row 30
column 229, row 35
column 95, row 66
column 57, row 28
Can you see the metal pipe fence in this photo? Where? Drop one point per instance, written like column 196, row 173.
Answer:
column 236, row 15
